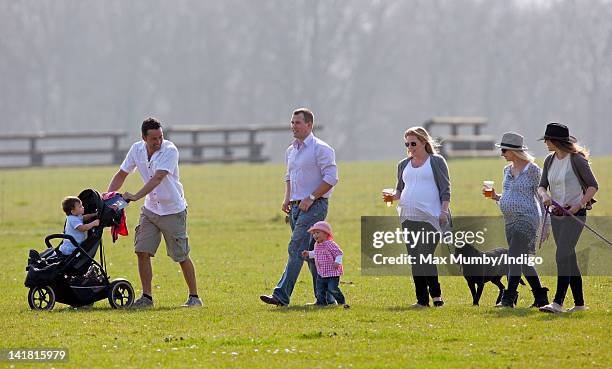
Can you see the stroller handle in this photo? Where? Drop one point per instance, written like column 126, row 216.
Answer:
column 59, row 235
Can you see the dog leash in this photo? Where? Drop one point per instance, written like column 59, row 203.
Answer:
column 546, row 213
column 566, row 212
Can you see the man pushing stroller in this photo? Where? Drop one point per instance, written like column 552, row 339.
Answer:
column 164, row 211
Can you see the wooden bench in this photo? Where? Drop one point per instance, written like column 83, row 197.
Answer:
column 37, row 154
column 228, row 140
column 459, row 144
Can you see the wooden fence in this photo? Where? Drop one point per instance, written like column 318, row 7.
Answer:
column 29, row 145
column 222, row 144
column 203, row 143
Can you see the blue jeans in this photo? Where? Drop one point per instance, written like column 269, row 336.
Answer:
column 300, row 240
column 326, row 286
column 521, row 243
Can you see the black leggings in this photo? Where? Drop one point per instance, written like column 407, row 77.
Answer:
column 566, row 231
column 425, row 275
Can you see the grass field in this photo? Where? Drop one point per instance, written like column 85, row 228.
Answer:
column 238, row 239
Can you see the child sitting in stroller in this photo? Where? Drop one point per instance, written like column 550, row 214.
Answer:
column 69, row 274
column 75, row 223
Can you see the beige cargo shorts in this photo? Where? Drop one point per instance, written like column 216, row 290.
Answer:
column 173, row 227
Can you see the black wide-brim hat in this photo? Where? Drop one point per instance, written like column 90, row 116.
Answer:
column 558, row 131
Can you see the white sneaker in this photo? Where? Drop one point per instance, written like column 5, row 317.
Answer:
column 577, row 308
column 416, row 305
column 193, row 302
column 552, row 308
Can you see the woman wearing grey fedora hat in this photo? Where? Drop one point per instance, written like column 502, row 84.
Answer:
column 522, row 210
column 572, row 185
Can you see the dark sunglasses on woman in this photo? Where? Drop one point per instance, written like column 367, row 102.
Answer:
column 408, row 144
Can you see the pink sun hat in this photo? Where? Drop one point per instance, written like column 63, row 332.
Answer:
column 322, row 226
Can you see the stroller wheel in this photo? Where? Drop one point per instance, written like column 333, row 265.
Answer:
column 41, row 298
column 121, row 294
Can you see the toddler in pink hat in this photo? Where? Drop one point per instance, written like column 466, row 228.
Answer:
column 328, row 260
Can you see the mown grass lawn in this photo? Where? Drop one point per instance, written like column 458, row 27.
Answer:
column 238, row 239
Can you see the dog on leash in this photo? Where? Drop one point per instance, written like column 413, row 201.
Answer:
column 477, row 275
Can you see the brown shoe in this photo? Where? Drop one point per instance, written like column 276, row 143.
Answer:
column 270, row 300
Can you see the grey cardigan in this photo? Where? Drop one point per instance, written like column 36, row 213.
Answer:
column 440, row 174
column 580, row 167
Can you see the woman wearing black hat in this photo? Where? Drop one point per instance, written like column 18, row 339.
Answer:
column 522, row 211
column 568, row 176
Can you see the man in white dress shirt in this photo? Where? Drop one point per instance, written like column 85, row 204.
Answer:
column 164, row 211
column 310, row 178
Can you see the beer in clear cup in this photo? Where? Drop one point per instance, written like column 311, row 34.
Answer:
column 488, row 188
column 388, row 194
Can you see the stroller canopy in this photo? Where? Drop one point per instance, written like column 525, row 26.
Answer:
column 93, row 203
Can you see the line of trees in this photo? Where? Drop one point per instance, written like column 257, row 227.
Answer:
column 369, row 69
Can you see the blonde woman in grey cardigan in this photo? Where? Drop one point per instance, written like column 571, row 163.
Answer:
column 568, row 176
column 423, row 191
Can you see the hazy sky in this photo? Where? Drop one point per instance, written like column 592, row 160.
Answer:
column 369, row 69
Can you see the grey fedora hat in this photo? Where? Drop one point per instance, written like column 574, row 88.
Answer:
column 512, row 141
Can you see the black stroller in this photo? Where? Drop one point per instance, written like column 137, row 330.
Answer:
column 78, row 279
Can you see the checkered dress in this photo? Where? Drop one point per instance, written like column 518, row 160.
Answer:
column 325, row 255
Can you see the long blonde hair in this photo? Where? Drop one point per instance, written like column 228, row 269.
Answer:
column 523, row 155
column 421, row 133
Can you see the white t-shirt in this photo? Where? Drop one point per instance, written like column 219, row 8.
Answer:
column 563, row 183
column 420, row 198
column 72, row 222
column 168, row 197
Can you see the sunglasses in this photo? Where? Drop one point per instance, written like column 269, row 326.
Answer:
column 408, row 144
column 504, row 151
